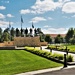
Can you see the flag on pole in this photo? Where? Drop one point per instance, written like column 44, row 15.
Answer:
column 32, row 25
column 21, row 19
column 9, row 25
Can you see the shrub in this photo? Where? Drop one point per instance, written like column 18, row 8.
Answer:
column 59, row 56
column 69, row 58
column 48, row 54
column 44, row 53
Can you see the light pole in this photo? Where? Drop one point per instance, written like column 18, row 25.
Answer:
column 65, row 61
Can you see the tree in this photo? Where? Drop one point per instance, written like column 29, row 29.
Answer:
column 5, row 37
column 72, row 40
column 6, row 30
column 59, row 39
column 69, row 35
column 30, row 31
column 0, row 30
column 12, row 31
column 0, row 34
column 42, row 38
column 17, row 32
column 35, row 32
column 48, row 38
column 22, row 32
column 26, row 31
column 39, row 30
column 12, row 34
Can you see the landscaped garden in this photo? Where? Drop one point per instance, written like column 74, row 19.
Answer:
column 49, row 55
column 62, row 47
column 19, row 61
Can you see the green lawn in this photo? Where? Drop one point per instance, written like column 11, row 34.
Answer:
column 63, row 47
column 18, row 61
column 71, row 48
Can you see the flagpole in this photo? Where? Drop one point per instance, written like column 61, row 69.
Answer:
column 21, row 22
column 21, row 25
column 32, row 29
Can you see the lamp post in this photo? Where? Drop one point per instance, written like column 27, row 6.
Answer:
column 65, row 61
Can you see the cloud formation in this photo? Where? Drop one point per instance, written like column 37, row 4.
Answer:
column 2, row 16
column 49, row 18
column 55, row 30
column 25, row 11
column 4, row 24
column 9, row 15
column 37, row 19
column 2, row 7
column 41, row 7
column 69, row 7
column 47, row 26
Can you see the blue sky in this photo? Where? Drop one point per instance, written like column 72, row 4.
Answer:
column 52, row 16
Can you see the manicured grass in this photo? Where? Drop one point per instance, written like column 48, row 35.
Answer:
column 63, row 47
column 18, row 61
column 71, row 47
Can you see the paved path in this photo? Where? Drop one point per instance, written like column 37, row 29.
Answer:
column 59, row 52
column 70, row 71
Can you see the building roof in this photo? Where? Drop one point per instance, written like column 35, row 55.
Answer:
column 54, row 35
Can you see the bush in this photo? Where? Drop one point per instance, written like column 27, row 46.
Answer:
column 59, row 56
column 44, row 53
column 38, row 52
column 69, row 58
column 48, row 54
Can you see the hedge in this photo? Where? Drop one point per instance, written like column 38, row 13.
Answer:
column 48, row 55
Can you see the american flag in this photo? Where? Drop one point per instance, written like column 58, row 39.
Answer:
column 21, row 19
column 32, row 25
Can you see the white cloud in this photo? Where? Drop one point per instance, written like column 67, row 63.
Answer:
column 5, row 1
column 41, row 7
column 2, row 7
column 67, row 17
column 64, row 1
column 25, row 11
column 2, row 16
column 4, row 24
column 47, row 26
column 73, row 16
column 49, row 18
column 37, row 19
column 9, row 15
column 69, row 7
column 55, row 30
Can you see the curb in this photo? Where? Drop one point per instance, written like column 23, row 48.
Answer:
column 45, row 70
column 40, row 71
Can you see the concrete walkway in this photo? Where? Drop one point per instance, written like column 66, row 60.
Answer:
column 64, row 71
column 40, row 71
column 70, row 70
